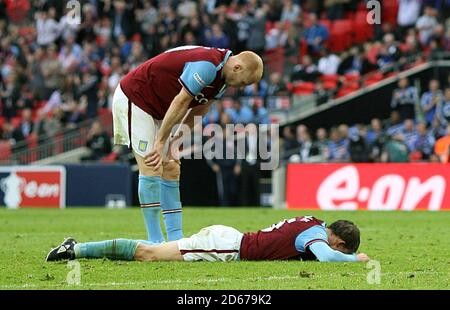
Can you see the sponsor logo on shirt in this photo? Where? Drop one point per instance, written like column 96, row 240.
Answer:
column 199, row 79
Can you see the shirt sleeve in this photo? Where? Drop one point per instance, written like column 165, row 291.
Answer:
column 197, row 75
column 311, row 235
column 324, row 253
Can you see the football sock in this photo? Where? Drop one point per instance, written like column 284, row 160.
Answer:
column 114, row 249
column 148, row 189
column 171, row 209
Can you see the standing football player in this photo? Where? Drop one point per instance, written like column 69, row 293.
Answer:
column 152, row 99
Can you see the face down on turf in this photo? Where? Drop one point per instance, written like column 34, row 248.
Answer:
column 299, row 238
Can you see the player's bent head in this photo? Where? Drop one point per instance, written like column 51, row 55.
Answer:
column 244, row 69
column 345, row 236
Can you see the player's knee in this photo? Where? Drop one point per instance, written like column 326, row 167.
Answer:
column 146, row 170
column 144, row 253
column 172, row 170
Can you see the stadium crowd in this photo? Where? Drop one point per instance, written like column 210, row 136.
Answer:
column 56, row 73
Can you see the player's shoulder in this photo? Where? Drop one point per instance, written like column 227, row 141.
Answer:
column 311, row 219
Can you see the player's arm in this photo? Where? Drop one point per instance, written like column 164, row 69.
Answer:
column 324, row 253
column 177, row 110
column 196, row 76
column 200, row 110
column 315, row 239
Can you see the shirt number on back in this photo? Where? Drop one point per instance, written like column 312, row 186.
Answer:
column 278, row 225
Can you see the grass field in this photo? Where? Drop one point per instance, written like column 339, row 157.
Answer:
column 412, row 248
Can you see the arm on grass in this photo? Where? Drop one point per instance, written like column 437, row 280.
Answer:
column 325, row 253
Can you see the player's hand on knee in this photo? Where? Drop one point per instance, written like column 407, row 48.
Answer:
column 155, row 157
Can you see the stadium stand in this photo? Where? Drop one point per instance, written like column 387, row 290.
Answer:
column 66, row 73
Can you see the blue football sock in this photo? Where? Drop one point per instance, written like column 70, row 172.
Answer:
column 171, row 209
column 115, row 249
column 149, row 188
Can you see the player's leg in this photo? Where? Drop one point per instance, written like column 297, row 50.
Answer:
column 213, row 243
column 143, row 132
column 149, row 199
column 135, row 128
column 162, row 252
column 123, row 249
column 170, row 199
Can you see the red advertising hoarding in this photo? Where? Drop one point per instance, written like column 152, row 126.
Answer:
column 33, row 186
column 368, row 186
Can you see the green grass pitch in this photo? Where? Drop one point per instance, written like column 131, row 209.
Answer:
column 412, row 248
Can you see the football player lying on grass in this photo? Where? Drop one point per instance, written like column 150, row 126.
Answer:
column 302, row 238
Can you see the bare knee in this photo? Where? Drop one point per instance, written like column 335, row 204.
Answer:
column 145, row 169
column 145, row 253
column 171, row 170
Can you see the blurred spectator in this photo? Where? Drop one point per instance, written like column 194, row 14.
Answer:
column 213, row 115
column 290, row 11
column 249, row 169
column 122, row 19
column 394, row 125
column 70, row 55
column 442, row 147
column 409, row 133
column 443, row 109
column 358, row 148
column 404, row 99
column 88, row 88
column 328, row 62
column 256, row 90
column 187, row 9
column 423, row 141
column 277, row 36
column 307, row 71
column 52, row 70
column 260, row 115
column 98, row 142
column 300, row 132
column 436, row 129
column 226, row 168
column 257, row 32
column 148, row 15
column 315, row 35
column 389, row 52
column 308, row 150
column 375, row 131
column 240, row 114
column 9, row 93
column 26, row 127
column 356, row 62
column 395, row 150
column 322, row 95
column 290, row 144
column 276, row 86
column 430, row 100
column 321, row 143
column 335, row 8
column 408, row 13
column 47, row 28
column 215, row 37
column 426, row 24
column 339, row 144
column 12, row 135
